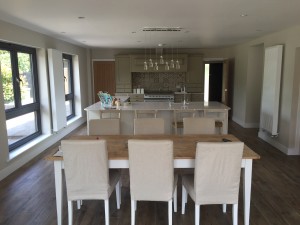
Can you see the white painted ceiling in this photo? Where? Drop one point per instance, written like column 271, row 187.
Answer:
column 119, row 23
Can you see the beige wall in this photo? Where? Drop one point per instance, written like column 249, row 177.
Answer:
column 290, row 39
column 14, row 34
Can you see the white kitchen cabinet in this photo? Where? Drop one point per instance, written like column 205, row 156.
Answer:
column 123, row 74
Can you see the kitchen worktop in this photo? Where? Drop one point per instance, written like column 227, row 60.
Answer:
column 163, row 106
column 164, row 110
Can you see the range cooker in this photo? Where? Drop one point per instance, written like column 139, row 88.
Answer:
column 159, row 97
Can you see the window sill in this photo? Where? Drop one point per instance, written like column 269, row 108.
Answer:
column 18, row 151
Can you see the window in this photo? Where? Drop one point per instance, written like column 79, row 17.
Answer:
column 69, row 86
column 18, row 69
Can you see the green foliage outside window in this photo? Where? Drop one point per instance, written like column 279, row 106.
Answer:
column 6, row 74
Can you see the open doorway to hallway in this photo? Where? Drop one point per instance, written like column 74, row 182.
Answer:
column 216, row 81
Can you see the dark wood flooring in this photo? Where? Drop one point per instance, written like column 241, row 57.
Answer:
column 27, row 197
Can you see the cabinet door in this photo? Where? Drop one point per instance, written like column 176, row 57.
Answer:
column 123, row 73
column 195, row 72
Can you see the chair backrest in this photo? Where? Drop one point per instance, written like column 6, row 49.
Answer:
column 200, row 125
column 104, row 127
column 149, row 126
column 217, row 172
column 151, row 169
column 179, row 114
column 86, row 169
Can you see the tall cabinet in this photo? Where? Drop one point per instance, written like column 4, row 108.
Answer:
column 123, row 74
column 195, row 74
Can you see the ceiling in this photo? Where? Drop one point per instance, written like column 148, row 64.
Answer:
column 119, row 23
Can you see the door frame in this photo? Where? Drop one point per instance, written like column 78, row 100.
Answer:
column 225, row 76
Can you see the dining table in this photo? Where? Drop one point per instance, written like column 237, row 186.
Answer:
column 184, row 157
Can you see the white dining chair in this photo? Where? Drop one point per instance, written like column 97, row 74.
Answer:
column 104, row 127
column 178, row 116
column 151, row 173
column 217, row 177
column 87, row 174
column 143, row 126
column 199, row 125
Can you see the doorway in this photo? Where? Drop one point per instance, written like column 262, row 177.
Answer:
column 216, row 81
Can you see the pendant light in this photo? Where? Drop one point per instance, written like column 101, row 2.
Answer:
column 177, row 65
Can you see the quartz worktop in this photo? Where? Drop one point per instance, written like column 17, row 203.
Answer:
column 163, row 106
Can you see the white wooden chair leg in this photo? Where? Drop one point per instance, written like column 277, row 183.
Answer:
column 175, row 199
column 197, row 214
column 106, row 206
column 118, row 194
column 170, row 211
column 235, row 214
column 224, row 208
column 70, row 212
column 133, row 208
column 183, row 199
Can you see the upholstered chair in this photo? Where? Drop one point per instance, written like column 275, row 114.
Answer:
column 144, row 126
column 151, row 173
column 217, row 177
column 87, row 174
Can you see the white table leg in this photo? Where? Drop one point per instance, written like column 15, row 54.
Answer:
column 247, row 189
column 58, row 190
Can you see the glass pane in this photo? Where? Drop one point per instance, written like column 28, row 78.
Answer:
column 21, row 127
column 26, row 78
column 7, row 81
column 67, row 77
column 68, row 108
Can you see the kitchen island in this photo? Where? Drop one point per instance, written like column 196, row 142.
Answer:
column 164, row 110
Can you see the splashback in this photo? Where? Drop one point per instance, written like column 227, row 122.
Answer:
column 157, row 81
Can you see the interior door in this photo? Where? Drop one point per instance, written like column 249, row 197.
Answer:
column 104, row 78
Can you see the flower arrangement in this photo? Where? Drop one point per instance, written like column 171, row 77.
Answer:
column 105, row 99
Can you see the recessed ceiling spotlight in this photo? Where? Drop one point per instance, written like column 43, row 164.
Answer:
column 244, row 15
column 81, row 17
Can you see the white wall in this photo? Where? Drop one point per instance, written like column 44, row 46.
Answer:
column 15, row 34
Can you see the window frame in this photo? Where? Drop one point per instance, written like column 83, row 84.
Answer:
column 19, row 109
column 70, row 96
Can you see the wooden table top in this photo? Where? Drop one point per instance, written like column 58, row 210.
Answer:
column 184, row 145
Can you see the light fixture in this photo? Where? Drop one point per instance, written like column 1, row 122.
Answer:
column 161, row 58
column 177, row 65
column 162, row 61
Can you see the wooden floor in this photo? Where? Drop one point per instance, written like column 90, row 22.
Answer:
column 27, row 197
